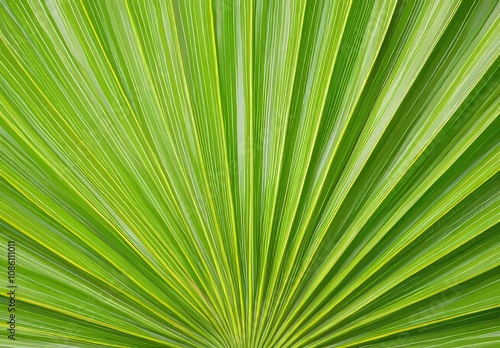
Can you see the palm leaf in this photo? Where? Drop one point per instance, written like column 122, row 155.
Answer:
column 236, row 173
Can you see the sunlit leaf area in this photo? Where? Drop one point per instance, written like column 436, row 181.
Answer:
column 250, row 173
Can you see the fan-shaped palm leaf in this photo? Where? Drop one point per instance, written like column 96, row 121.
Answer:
column 233, row 173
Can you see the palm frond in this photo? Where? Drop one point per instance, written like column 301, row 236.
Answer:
column 236, row 173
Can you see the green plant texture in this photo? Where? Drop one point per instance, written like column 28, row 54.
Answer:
column 250, row 173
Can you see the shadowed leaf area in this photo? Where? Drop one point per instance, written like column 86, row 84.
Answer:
column 250, row 173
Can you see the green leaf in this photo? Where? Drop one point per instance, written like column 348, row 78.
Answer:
column 250, row 173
